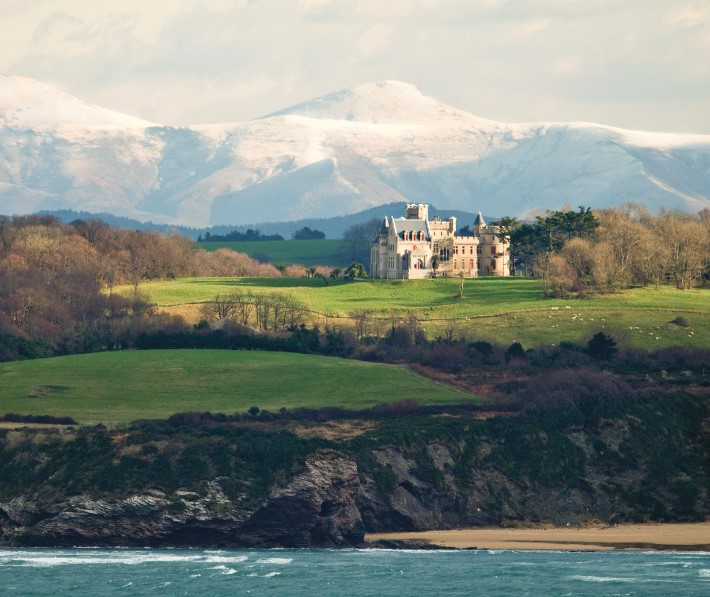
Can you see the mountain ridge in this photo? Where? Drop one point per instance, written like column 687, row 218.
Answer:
column 342, row 153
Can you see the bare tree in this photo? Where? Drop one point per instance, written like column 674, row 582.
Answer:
column 359, row 237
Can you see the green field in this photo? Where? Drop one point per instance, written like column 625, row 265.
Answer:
column 303, row 252
column 501, row 309
column 117, row 387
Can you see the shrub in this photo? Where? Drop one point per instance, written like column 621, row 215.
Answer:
column 601, row 346
column 515, row 351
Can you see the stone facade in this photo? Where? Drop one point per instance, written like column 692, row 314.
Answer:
column 414, row 247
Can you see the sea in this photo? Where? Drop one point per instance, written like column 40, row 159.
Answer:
column 316, row 573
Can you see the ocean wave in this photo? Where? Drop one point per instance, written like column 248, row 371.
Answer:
column 128, row 558
column 603, row 578
column 225, row 559
column 376, row 550
column 275, row 561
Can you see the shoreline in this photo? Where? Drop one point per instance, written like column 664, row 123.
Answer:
column 644, row 537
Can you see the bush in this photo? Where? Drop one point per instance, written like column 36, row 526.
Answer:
column 601, row 346
column 515, row 351
column 680, row 321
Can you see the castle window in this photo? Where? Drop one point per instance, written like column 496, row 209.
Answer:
column 493, row 264
column 478, row 250
column 444, row 254
column 493, row 250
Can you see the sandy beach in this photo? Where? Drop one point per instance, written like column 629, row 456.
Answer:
column 671, row 537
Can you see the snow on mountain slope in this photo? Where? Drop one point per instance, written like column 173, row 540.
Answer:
column 370, row 145
column 26, row 103
column 384, row 102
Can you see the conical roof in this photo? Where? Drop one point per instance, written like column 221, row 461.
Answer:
column 479, row 221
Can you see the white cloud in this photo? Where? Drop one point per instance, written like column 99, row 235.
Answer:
column 313, row 5
column 506, row 59
column 385, row 10
column 528, row 28
column 567, row 67
column 198, row 101
column 374, row 41
column 687, row 16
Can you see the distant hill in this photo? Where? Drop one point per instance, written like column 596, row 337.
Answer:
column 333, row 227
column 344, row 153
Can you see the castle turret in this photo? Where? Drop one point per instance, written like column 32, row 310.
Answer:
column 417, row 211
column 479, row 223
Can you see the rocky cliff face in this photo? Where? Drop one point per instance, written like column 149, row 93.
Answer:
column 224, row 485
column 317, row 507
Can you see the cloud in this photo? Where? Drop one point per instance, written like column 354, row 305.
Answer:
column 687, row 16
column 374, row 41
column 505, row 59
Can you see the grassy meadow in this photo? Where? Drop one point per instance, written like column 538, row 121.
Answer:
column 115, row 388
column 499, row 309
column 303, row 252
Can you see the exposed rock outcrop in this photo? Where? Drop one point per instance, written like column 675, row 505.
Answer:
column 316, row 508
column 233, row 486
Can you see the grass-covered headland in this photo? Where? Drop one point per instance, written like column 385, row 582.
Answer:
column 118, row 387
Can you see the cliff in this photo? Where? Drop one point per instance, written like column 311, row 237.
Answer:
column 291, row 485
column 317, row 507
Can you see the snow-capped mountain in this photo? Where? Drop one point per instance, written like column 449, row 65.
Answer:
column 366, row 146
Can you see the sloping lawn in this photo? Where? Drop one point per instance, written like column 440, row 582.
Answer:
column 117, row 387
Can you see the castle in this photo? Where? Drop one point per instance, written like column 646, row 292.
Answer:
column 414, row 247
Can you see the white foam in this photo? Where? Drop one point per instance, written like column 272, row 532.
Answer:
column 130, row 558
column 275, row 561
column 271, row 574
column 603, row 578
column 226, row 559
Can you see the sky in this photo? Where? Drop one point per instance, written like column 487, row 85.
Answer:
column 638, row 64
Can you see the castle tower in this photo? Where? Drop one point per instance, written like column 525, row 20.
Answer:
column 417, row 211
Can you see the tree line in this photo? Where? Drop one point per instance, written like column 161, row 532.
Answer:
column 57, row 280
column 237, row 237
column 610, row 249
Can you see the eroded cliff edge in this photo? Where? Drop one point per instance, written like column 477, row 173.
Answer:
column 195, row 482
